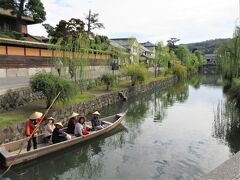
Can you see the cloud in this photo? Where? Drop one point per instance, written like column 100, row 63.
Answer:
column 153, row 20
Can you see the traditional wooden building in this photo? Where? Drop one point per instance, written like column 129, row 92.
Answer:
column 8, row 21
column 132, row 47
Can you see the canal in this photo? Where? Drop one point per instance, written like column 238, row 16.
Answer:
column 181, row 132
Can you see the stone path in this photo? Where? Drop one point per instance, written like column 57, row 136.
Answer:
column 230, row 169
column 13, row 83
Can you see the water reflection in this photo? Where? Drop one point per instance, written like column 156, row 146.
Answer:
column 196, row 81
column 227, row 124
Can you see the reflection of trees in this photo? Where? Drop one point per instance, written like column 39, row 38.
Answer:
column 227, row 125
column 196, row 81
column 137, row 110
column 176, row 93
column 160, row 108
column 72, row 163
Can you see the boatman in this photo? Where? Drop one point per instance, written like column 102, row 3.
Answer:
column 31, row 123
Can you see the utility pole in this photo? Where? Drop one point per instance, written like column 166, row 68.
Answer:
column 239, row 14
column 89, row 21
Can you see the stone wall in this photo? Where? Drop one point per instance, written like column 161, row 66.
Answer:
column 15, row 132
column 15, row 98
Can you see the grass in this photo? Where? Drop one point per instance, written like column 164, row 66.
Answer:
column 77, row 99
column 22, row 113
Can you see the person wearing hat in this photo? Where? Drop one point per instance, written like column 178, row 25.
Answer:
column 58, row 135
column 71, row 123
column 96, row 122
column 31, row 123
column 49, row 127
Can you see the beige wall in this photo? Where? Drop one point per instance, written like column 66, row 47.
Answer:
column 21, row 51
column 46, row 52
column 3, row 50
column 32, row 52
column 15, row 51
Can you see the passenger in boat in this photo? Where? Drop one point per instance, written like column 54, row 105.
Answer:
column 80, row 127
column 85, row 128
column 71, row 123
column 58, row 134
column 49, row 127
column 96, row 122
column 32, row 122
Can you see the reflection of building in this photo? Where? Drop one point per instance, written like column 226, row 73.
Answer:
column 8, row 21
column 211, row 59
column 132, row 47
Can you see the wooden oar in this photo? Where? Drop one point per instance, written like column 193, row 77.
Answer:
column 28, row 139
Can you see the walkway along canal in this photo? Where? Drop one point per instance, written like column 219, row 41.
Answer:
column 182, row 132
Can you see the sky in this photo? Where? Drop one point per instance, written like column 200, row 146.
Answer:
column 150, row 20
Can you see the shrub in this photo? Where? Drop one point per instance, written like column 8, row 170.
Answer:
column 138, row 74
column 108, row 79
column 180, row 71
column 17, row 35
column 50, row 85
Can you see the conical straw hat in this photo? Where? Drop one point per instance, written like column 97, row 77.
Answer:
column 59, row 123
column 36, row 115
column 51, row 118
column 73, row 115
column 96, row 113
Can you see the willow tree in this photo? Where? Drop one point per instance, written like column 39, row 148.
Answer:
column 162, row 58
column 229, row 57
column 77, row 57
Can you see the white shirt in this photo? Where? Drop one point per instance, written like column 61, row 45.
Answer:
column 49, row 129
column 78, row 129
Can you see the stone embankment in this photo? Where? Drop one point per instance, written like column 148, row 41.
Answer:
column 16, row 131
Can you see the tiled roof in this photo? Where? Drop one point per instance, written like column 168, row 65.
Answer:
column 142, row 48
column 148, row 44
column 28, row 19
column 116, row 45
column 125, row 42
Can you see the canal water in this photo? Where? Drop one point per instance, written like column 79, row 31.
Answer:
column 181, row 132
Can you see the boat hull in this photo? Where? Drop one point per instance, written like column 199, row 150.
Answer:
column 8, row 157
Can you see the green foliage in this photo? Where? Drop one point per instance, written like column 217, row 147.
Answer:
column 65, row 29
column 172, row 43
column 100, row 43
column 180, row 71
column 196, row 81
column 183, row 55
column 229, row 57
column 35, row 9
column 50, row 85
column 162, row 57
column 108, row 79
column 12, row 35
column 138, row 74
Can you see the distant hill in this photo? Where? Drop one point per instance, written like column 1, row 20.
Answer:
column 207, row 47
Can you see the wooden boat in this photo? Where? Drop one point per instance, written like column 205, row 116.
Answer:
column 9, row 151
